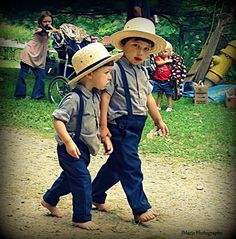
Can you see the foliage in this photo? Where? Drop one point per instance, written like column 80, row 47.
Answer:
column 103, row 26
column 197, row 132
column 185, row 24
column 14, row 32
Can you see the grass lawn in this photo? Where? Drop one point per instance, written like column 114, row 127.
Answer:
column 197, row 132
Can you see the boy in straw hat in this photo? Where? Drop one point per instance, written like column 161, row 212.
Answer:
column 76, row 123
column 124, row 105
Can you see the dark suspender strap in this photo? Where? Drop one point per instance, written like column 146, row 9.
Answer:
column 80, row 115
column 126, row 88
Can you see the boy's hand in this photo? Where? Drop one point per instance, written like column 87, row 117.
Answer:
column 104, row 132
column 72, row 149
column 162, row 129
column 107, row 145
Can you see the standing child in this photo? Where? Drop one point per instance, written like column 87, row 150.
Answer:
column 34, row 57
column 126, row 102
column 162, row 77
column 76, row 122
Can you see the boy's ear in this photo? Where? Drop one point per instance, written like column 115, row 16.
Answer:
column 122, row 45
column 90, row 75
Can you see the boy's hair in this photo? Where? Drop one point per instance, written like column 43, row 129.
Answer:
column 169, row 46
column 124, row 41
column 110, row 63
column 44, row 14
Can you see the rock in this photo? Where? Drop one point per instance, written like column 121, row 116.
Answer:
column 199, row 187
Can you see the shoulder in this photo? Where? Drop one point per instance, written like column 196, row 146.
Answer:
column 71, row 99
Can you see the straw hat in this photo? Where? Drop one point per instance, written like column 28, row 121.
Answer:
column 139, row 27
column 90, row 58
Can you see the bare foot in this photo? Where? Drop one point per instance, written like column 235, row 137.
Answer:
column 52, row 209
column 145, row 217
column 102, row 207
column 91, row 226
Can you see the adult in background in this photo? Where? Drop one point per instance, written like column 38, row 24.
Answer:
column 34, row 57
column 138, row 8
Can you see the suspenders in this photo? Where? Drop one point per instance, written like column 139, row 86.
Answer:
column 79, row 118
column 126, row 87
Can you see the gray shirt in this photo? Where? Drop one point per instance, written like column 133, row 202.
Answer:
column 68, row 111
column 139, row 88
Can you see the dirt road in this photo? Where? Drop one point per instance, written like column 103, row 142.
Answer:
column 194, row 201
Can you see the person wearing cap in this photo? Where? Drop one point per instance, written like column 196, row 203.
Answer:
column 76, row 122
column 125, row 104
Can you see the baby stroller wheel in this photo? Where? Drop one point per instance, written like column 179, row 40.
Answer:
column 57, row 89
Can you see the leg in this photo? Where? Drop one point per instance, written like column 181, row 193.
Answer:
column 20, row 90
column 129, row 164
column 157, row 87
column 169, row 101
column 108, row 174
column 159, row 99
column 52, row 196
column 105, row 179
column 131, row 180
column 39, row 85
column 169, row 92
column 79, row 181
column 131, row 176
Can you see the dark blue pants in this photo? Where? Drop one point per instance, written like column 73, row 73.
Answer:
column 75, row 178
column 39, row 85
column 124, row 165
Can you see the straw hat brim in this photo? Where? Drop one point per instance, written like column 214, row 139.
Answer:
column 80, row 76
column 159, row 42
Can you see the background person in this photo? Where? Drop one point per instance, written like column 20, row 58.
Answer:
column 34, row 57
column 162, row 74
column 138, row 8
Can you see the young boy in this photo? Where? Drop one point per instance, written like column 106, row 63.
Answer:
column 76, row 123
column 125, row 104
column 162, row 77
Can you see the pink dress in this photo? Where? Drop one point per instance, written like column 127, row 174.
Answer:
column 35, row 51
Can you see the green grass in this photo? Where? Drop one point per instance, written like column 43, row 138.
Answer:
column 27, row 113
column 197, row 132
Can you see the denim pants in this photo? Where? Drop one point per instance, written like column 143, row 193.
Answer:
column 163, row 86
column 39, row 85
column 124, row 164
column 75, row 178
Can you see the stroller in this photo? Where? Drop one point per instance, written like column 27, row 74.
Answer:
column 71, row 39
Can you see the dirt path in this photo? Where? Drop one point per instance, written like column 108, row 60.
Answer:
column 194, row 201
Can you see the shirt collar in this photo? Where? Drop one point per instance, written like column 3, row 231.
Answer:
column 88, row 94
